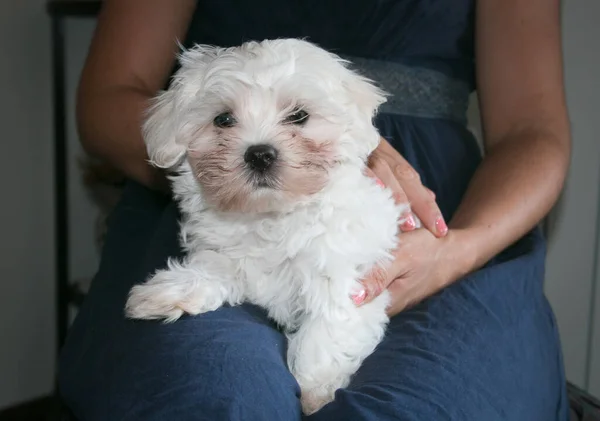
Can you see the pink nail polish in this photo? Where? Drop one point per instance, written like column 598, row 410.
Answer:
column 379, row 183
column 359, row 297
column 410, row 223
column 441, row 226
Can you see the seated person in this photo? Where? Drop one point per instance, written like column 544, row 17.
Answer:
column 471, row 337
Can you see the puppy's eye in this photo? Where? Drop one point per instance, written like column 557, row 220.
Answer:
column 224, row 120
column 298, row 117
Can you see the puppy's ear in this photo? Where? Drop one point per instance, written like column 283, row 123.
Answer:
column 364, row 94
column 165, row 130
column 365, row 98
column 161, row 132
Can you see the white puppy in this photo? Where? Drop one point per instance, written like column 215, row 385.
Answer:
column 267, row 144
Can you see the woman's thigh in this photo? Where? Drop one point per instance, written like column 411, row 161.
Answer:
column 224, row 365
column 486, row 348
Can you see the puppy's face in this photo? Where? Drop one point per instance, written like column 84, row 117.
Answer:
column 262, row 125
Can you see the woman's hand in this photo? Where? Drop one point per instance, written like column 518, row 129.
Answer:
column 420, row 266
column 398, row 175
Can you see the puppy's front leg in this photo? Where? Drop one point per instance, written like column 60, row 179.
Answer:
column 196, row 286
column 330, row 347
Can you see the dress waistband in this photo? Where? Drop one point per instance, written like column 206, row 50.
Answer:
column 416, row 91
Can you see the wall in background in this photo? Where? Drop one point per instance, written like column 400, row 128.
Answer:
column 26, row 291
column 594, row 374
column 26, row 286
column 27, row 320
column 571, row 254
column 84, row 254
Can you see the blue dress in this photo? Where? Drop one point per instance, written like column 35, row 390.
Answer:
column 486, row 348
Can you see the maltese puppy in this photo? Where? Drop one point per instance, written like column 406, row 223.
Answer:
column 266, row 145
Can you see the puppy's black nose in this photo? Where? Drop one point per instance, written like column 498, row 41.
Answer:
column 260, row 157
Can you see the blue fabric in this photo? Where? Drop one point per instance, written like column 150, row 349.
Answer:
column 485, row 348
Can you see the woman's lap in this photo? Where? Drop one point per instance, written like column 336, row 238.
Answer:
column 485, row 348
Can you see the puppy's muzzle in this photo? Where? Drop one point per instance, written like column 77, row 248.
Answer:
column 260, row 158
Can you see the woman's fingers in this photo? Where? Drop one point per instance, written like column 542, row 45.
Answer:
column 379, row 279
column 382, row 171
column 422, row 200
column 406, row 184
column 431, row 194
column 372, row 285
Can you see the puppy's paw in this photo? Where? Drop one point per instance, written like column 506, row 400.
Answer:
column 167, row 295
column 314, row 399
column 151, row 302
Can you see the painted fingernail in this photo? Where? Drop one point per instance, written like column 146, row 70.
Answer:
column 359, row 297
column 409, row 224
column 379, row 183
column 441, row 226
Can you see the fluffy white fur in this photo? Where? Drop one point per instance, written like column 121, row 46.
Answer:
column 298, row 243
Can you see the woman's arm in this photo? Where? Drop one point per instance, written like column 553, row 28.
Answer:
column 527, row 140
column 525, row 122
column 131, row 56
